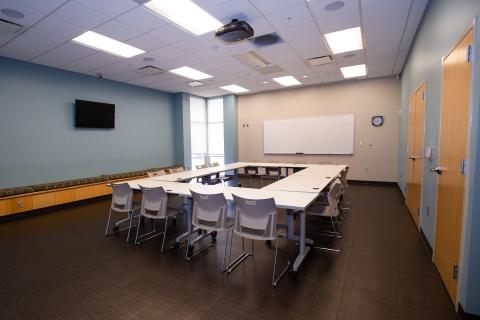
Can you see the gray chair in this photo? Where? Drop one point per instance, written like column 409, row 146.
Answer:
column 344, row 194
column 251, row 172
column 218, row 178
column 256, row 220
column 122, row 202
column 211, row 213
column 154, row 206
column 270, row 174
column 329, row 211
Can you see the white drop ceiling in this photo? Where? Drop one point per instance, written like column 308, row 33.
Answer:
column 388, row 27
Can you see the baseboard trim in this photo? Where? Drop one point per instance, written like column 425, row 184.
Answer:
column 35, row 212
column 425, row 242
column 462, row 315
column 373, row 183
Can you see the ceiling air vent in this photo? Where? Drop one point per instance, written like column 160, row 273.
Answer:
column 257, row 62
column 150, row 70
column 195, row 83
column 318, row 61
column 266, row 40
column 273, row 68
column 8, row 28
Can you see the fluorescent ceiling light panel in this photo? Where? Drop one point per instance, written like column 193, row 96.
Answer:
column 234, row 88
column 345, row 40
column 97, row 41
column 287, row 81
column 354, row 71
column 190, row 73
column 185, row 14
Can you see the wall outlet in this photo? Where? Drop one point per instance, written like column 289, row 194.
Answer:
column 361, row 143
column 365, row 169
column 19, row 204
column 428, row 211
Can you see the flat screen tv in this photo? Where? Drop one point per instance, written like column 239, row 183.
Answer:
column 90, row 114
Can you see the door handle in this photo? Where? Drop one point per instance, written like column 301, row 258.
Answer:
column 437, row 170
column 412, row 158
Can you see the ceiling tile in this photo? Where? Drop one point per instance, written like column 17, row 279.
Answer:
column 291, row 17
column 110, row 8
column 64, row 54
column 117, row 30
column 171, row 34
column 238, row 9
column 269, row 6
column 339, row 22
column 79, row 15
column 318, row 9
column 146, row 42
column 385, row 10
column 92, row 62
column 142, row 19
column 31, row 16
column 43, row 6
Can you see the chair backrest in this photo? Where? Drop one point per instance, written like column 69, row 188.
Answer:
column 272, row 171
column 154, row 201
column 251, row 170
column 156, row 173
column 343, row 179
column 210, row 211
column 255, row 218
column 333, row 197
column 122, row 197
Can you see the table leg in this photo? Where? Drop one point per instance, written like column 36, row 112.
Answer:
column 181, row 237
column 303, row 249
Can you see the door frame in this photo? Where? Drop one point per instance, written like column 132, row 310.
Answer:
column 414, row 92
column 470, row 154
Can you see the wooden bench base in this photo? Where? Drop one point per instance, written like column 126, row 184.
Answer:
column 43, row 199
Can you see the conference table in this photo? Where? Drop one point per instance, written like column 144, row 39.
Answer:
column 295, row 193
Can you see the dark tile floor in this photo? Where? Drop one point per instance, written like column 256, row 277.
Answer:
column 58, row 265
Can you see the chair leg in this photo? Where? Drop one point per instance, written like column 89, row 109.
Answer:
column 235, row 263
column 224, row 267
column 276, row 280
column 130, row 216
column 108, row 222
column 138, row 229
column 164, row 234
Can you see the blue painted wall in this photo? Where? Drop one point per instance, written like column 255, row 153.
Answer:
column 39, row 143
column 445, row 21
column 230, row 128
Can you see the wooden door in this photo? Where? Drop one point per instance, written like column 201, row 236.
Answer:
column 454, row 123
column 416, row 125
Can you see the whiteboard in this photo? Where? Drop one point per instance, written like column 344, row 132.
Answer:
column 334, row 134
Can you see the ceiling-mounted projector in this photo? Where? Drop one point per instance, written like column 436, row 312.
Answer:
column 234, row 31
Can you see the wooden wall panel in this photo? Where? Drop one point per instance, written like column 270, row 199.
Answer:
column 64, row 196
column 43, row 200
column 3, row 208
column 19, row 204
column 83, row 193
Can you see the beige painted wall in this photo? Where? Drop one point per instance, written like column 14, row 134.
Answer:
column 365, row 98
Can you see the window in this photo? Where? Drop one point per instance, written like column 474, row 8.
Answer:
column 206, row 127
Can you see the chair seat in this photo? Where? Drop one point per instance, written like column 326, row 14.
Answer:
column 319, row 210
column 171, row 212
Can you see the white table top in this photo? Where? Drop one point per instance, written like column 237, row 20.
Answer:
column 294, row 183
column 324, row 171
column 283, row 199
column 187, row 175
